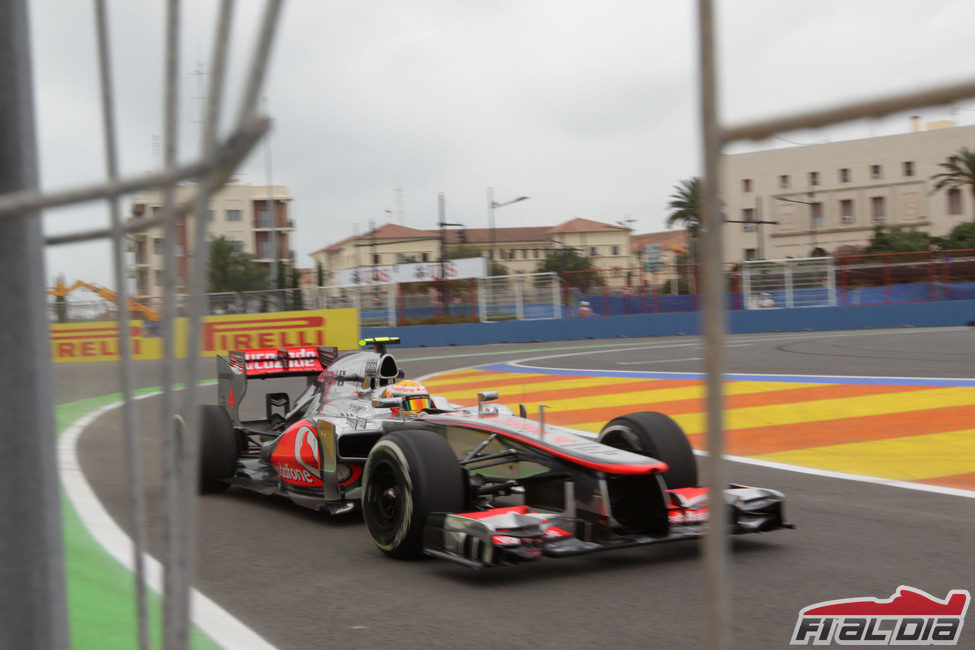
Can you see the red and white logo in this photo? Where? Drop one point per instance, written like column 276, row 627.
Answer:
column 909, row 617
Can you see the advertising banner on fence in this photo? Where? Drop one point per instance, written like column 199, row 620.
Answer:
column 99, row 341
column 462, row 269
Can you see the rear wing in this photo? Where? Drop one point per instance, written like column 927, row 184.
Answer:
column 234, row 370
column 265, row 363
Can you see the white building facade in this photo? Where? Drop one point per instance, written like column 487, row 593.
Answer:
column 828, row 198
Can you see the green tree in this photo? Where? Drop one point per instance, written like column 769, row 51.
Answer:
column 576, row 270
column 297, row 299
column 959, row 172
column 232, row 270
column 887, row 239
column 685, row 205
column 961, row 237
column 281, row 281
column 319, row 275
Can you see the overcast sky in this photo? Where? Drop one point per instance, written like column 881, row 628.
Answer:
column 590, row 108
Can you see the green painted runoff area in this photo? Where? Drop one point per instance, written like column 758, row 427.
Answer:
column 101, row 592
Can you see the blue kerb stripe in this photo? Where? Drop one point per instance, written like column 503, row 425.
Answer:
column 817, row 379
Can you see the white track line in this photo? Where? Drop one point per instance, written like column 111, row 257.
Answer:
column 223, row 628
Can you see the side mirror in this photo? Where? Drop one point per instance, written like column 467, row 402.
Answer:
column 485, row 396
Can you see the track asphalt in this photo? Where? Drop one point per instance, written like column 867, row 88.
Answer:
column 304, row 580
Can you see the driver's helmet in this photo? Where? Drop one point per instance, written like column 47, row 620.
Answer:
column 407, row 388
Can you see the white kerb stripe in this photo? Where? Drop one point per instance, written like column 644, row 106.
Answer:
column 213, row 620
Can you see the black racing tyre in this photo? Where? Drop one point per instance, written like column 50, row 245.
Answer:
column 658, row 436
column 218, row 449
column 408, row 475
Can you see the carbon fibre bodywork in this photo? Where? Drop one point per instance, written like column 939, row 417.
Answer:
column 530, row 490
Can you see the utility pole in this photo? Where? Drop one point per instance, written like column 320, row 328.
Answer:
column 442, row 212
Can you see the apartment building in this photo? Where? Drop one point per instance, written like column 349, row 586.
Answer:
column 520, row 250
column 245, row 214
column 828, row 198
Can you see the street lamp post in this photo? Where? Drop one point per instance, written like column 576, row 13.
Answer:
column 492, row 206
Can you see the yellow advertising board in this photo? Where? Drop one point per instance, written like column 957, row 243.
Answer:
column 98, row 341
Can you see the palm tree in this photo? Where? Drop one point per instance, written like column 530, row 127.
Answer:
column 958, row 172
column 685, row 204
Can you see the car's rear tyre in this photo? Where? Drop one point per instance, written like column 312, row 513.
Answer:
column 658, row 436
column 218, row 449
column 408, row 475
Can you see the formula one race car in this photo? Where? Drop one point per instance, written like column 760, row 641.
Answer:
column 478, row 485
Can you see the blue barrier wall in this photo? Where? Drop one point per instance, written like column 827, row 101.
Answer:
column 931, row 314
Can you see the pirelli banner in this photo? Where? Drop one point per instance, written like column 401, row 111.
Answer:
column 99, row 341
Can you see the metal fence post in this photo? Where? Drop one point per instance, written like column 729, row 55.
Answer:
column 519, row 300
column 556, row 296
column 482, row 300
column 33, row 610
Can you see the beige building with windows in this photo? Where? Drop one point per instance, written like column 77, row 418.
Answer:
column 238, row 212
column 520, row 250
column 830, row 197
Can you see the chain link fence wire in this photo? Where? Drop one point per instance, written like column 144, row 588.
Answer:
column 32, row 581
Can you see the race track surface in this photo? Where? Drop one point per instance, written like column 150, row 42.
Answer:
column 304, row 580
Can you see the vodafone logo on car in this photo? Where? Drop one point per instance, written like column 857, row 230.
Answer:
column 296, row 458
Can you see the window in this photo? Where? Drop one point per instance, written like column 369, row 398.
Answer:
column 179, row 250
column 159, row 278
column 845, row 175
column 784, row 181
column 616, row 250
column 375, row 258
column 234, row 215
column 425, row 257
column 536, row 253
column 593, row 251
column 157, row 246
column 524, row 253
column 954, row 201
column 750, row 254
column 877, row 208
column 846, row 210
column 746, row 185
column 814, row 178
column 816, row 215
column 237, row 246
column 748, row 214
column 908, row 168
column 264, row 219
column 876, row 172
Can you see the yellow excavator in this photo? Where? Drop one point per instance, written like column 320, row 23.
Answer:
column 60, row 289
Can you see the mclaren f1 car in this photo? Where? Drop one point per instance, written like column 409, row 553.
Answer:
column 478, row 485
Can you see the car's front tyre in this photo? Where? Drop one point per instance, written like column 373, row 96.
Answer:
column 408, row 475
column 655, row 435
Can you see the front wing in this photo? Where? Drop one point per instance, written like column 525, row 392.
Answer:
column 519, row 533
